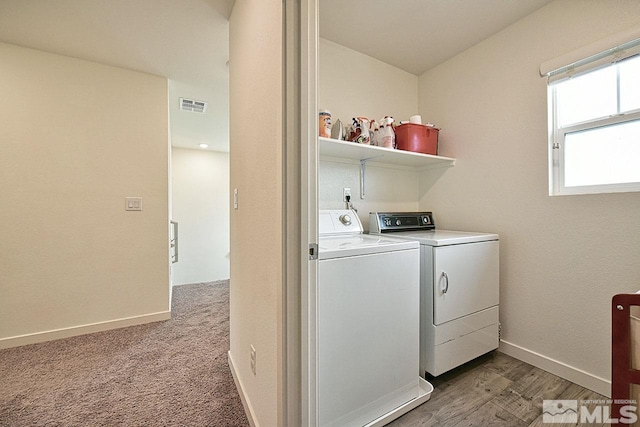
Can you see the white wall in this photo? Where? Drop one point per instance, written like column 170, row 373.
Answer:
column 256, row 234
column 73, row 147
column 200, row 202
column 562, row 258
column 387, row 189
column 353, row 84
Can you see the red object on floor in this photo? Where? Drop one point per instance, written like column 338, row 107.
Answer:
column 622, row 372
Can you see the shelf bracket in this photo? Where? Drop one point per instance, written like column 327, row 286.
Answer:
column 363, row 165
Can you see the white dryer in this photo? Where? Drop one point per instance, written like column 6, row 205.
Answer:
column 367, row 324
column 459, row 288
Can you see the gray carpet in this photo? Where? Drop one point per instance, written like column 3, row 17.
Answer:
column 172, row 373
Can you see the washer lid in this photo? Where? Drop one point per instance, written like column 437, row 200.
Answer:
column 444, row 237
column 360, row 244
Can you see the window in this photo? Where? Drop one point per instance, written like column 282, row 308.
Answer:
column 594, row 120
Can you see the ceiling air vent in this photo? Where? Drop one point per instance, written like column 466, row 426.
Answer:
column 193, row 105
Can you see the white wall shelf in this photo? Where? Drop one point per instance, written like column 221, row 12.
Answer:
column 344, row 151
column 333, row 149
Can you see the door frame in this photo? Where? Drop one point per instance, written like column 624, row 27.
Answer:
column 309, row 132
column 297, row 385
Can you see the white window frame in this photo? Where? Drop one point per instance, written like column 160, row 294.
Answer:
column 557, row 134
column 557, row 156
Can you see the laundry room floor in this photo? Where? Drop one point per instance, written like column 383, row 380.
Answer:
column 493, row 390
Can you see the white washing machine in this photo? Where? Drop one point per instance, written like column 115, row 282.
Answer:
column 367, row 324
column 459, row 289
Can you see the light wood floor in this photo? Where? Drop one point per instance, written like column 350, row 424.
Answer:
column 493, row 390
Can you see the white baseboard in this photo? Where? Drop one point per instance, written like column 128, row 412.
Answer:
column 575, row 375
column 73, row 331
column 248, row 410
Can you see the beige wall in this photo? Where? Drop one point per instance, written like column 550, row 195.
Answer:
column 73, row 147
column 387, row 189
column 256, row 108
column 371, row 88
column 562, row 258
column 200, row 204
column 352, row 84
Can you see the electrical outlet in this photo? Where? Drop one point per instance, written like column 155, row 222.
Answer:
column 253, row 360
column 346, row 191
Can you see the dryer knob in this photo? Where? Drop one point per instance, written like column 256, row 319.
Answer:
column 345, row 219
column 398, row 222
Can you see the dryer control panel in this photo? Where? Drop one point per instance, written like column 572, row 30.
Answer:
column 386, row 222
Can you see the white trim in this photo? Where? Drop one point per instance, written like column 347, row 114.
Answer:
column 309, row 206
column 248, row 409
column 570, row 373
column 73, row 331
column 589, row 50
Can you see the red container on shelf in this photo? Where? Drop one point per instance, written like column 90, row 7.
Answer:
column 417, row 138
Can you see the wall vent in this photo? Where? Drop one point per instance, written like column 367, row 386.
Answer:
column 187, row 104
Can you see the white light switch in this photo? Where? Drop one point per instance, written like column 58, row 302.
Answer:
column 133, row 203
column 235, row 198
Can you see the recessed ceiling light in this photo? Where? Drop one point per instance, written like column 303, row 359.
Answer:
column 204, row 145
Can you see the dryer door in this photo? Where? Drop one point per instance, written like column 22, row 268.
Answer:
column 466, row 279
